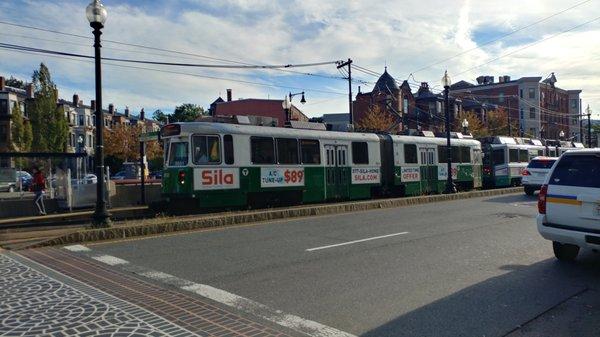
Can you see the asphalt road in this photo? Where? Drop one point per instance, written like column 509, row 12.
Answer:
column 473, row 267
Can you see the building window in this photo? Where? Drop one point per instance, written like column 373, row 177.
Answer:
column 360, row 153
column 310, row 151
column 439, row 107
column 80, row 120
column 262, row 150
column 531, row 93
column 405, row 105
column 287, row 151
column 521, row 93
column 410, row 153
column 573, row 104
column 90, row 142
column 522, row 113
column 501, row 97
column 532, row 113
column 3, row 107
column 3, row 134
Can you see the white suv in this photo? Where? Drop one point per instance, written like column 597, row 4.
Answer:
column 535, row 173
column 569, row 203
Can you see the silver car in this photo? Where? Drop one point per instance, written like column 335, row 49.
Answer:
column 535, row 173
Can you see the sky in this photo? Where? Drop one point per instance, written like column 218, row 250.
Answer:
column 416, row 39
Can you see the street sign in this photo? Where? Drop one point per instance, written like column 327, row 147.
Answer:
column 149, row 136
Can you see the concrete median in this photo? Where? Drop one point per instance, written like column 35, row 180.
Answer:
column 136, row 228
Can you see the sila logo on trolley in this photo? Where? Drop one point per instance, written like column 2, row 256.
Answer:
column 216, row 179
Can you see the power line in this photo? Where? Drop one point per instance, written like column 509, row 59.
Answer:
column 501, row 37
column 195, row 65
column 187, row 74
column 529, row 45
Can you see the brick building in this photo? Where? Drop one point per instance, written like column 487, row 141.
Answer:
column 10, row 97
column 392, row 99
column 541, row 108
column 272, row 109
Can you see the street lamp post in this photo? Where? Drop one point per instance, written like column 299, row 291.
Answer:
column 96, row 15
column 450, row 188
column 465, row 125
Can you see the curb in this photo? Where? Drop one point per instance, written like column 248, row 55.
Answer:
column 219, row 220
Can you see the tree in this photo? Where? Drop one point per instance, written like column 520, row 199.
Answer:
column 48, row 122
column 160, row 116
column 20, row 131
column 123, row 142
column 186, row 113
column 497, row 123
column 375, row 120
column 476, row 126
column 15, row 83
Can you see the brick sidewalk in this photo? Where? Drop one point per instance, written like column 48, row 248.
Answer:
column 183, row 312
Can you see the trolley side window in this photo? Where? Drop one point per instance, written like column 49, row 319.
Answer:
column 524, row 156
column 179, row 154
column 360, row 153
column 456, row 154
column 465, row 154
column 311, row 151
column 513, row 155
column 207, row 150
column 262, row 150
column 498, row 157
column 287, row 151
column 410, row 154
column 228, row 149
column 442, row 155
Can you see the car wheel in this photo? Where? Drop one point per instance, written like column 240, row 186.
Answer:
column 529, row 190
column 565, row 251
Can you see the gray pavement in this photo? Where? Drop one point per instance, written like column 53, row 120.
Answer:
column 464, row 268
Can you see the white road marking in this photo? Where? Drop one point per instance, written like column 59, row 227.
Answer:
column 77, row 248
column 110, row 260
column 300, row 324
column 305, row 326
column 355, row 241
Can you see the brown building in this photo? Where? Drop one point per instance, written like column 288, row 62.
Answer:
column 392, row 99
column 272, row 109
column 10, row 97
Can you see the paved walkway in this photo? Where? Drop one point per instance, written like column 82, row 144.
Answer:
column 52, row 292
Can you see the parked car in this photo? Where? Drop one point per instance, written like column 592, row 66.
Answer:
column 535, row 173
column 156, row 175
column 569, row 203
column 118, row 176
column 8, row 186
column 90, row 179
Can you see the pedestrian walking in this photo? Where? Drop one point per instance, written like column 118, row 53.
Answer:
column 39, row 188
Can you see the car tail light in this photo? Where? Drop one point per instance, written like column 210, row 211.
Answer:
column 542, row 199
column 181, row 177
column 526, row 173
column 487, row 170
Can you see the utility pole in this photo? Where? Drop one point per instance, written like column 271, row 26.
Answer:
column 589, row 115
column 349, row 64
column 508, row 116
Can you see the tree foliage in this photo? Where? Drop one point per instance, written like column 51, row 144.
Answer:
column 375, row 120
column 48, row 122
column 186, row 113
column 15, row 83
column 476, row 126
column 160, row 116
column 20, row 131
column 123, row 142
column 497, row 123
